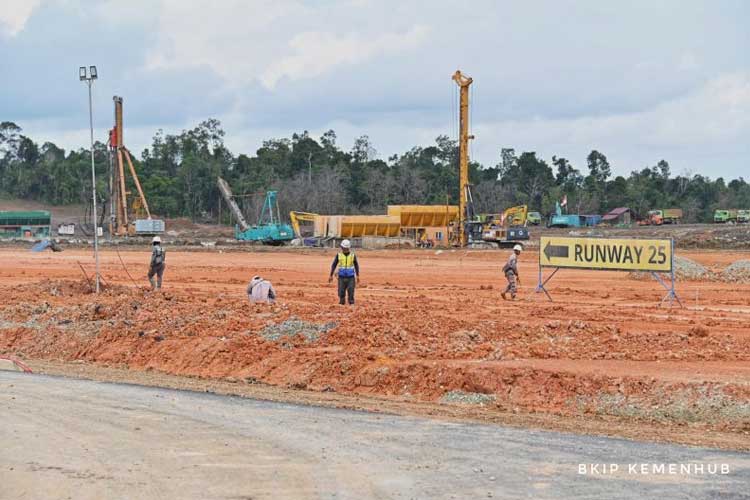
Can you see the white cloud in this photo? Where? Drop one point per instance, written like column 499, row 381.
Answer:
column 234, row 38
column 713, row 118
column 316, row 53
column 265, row 41
column 14, row 14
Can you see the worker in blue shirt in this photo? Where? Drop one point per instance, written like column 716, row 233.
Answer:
column 348, row 272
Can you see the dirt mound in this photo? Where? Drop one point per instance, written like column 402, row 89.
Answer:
column 684, row 270
column 70, row 288
column 737, row 272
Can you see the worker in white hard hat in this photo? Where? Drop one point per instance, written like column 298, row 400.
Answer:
column 348, row 272
column 510, row 269
column 157, row 263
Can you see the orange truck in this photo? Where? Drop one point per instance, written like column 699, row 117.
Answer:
column 662, row 216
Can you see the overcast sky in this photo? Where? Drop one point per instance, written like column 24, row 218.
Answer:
column 639, row 81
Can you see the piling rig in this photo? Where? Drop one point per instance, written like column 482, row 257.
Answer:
column 126, row 215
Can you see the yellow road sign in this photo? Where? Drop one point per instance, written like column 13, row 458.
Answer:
column 629, row 254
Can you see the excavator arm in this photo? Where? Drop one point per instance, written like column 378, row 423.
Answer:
column 296, row 217
column 515, row 216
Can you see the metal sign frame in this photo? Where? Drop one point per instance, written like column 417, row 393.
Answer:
column 671, row 294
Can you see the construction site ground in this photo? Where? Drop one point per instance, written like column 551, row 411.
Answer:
column 429, row 335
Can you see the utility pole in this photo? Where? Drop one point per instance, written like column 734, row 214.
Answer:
column 463, row 82
column 89, row 79
column 309, row 167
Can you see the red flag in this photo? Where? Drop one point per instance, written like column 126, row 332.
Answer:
column 564, row 202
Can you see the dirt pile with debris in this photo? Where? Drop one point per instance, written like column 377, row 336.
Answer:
column 737, row 272
column 684, row 270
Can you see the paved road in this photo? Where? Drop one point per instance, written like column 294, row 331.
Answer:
column 65, row 438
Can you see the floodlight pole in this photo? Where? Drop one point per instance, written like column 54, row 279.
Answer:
column 90, row 80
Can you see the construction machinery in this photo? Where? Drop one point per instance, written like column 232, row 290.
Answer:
column 732, row 215
column 662, row 216
column 296, row 217
column 464, row 193
column 471, row 230
column 515, row 216
column 507, row 228
column 560, row 219
column 269, row 230
column 725, row 216
column 126, row 217
column 534, row 218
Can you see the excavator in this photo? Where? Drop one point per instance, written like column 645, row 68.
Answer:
column 296, row 217
column 507, row 228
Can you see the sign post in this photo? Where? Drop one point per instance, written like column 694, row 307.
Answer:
column 609, row 254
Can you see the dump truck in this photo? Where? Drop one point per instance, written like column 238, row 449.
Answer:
column 662, row 216
column 722, row 216
column 670, row 215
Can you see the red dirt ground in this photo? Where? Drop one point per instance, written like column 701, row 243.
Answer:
column 426, row 323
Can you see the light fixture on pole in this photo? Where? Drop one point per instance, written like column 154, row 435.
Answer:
column 89, row 79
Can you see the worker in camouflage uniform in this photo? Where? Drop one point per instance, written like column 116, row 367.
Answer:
column 348, row 272
column 157, row 263
column 510, row 269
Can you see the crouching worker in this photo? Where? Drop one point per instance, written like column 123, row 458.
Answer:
column 348, row 272
column 510, row 269
column 260, row 290
column 157, row 263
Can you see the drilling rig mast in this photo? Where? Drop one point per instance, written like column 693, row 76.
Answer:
column 464, row 194
column 126, row 218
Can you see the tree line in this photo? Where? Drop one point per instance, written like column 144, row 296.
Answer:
column 178, row 173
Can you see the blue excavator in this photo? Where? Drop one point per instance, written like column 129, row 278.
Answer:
column 269, row 230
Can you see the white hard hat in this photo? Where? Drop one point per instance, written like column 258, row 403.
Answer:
column 518, row 248
column 156, row 240
column 346, row 244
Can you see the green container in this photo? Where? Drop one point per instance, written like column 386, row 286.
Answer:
column 25, row 224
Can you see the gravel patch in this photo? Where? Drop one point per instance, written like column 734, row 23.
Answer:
column 294, row 326
column 686, row 405
column 737, row 272
column 471, row 398
column 684, row 270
